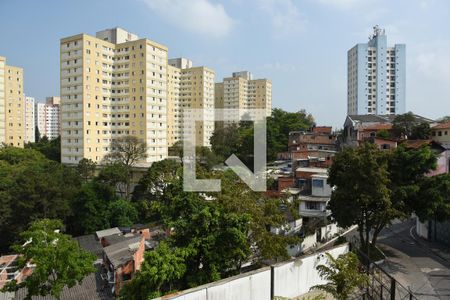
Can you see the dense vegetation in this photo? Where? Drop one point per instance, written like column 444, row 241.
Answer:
column 34, row 187
column 212, row 234
column 58, row 259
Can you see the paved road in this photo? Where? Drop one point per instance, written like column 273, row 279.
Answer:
column 413, row 264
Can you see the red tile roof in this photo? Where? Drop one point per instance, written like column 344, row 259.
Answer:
column 442, row 126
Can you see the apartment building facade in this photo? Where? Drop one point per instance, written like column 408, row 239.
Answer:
column 241, row 91
column 376, row 76
column 12, row 105
column 112, row 84
column 189, row 88
column 30, row 129
column 47, row 118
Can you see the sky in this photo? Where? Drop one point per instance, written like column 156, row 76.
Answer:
column 300, row 45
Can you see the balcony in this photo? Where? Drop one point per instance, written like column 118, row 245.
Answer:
column 311, row 206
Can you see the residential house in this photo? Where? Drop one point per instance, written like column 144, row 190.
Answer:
column 362, row 128
column 307, row 140
column 10, row 270
column 441, row 133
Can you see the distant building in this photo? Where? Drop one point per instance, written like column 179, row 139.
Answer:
column 47, row 118
column 30, row 127
column 241, row 91
column 376, row 77
column 311, row 140
column 189, row 87
column 12, row 105
column 364, row 128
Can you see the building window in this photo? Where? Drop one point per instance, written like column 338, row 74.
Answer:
column 317, row 183
column 312, row 205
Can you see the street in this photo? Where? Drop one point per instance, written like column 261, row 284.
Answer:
column 412, row 262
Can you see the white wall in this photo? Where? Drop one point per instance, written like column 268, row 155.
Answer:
column 329, row 231
column 296, row 277
column 253, row 285
column 422, row 228
column 325, row 190
column 291, row 279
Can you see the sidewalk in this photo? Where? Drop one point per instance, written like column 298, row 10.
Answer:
column 438, row 249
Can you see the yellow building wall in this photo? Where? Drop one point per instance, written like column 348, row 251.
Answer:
column 14, row 107
column 110, row 90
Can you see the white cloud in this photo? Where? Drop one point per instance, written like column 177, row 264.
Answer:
column 196, row 16
column 284, row 15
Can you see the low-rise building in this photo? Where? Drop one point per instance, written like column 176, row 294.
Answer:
column 363, row 128
column 10, row 270
column 121, row 251
column 441, row 134
column 311, row 140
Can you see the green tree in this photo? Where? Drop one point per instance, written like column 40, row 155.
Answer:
column 215, row 239
column 90, row 208
column 372, row 187
column 361, row 195
column 238, row 138
column 86, row 169
column 225, row 140
column 421, row 131
column 122, row 213
column 58, row 260
column 176, row 149
column 160, row 273
column 343, row 276
column 118, row 176
column 408, row 125
column 153, row 185
column 384, row 134
column 50, row 148
column 264, row 213
column 432, row 201
column 32, row 187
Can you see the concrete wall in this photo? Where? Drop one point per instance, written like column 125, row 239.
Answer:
column 296, row 277
column 327, row 232
column 422, row 228
column 253, row 285
column 290, row 279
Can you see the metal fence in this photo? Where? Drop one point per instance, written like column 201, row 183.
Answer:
column 381, row 285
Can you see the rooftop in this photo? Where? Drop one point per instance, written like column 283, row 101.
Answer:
column 89, row 243
column 312, row 170
column 122, row 252
column 91, row 288
column 107, row 232
column 442, row 126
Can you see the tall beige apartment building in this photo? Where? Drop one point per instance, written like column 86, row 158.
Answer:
column 189, row 88
column 12, row 105
column 113, row 84
column 241, row 91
